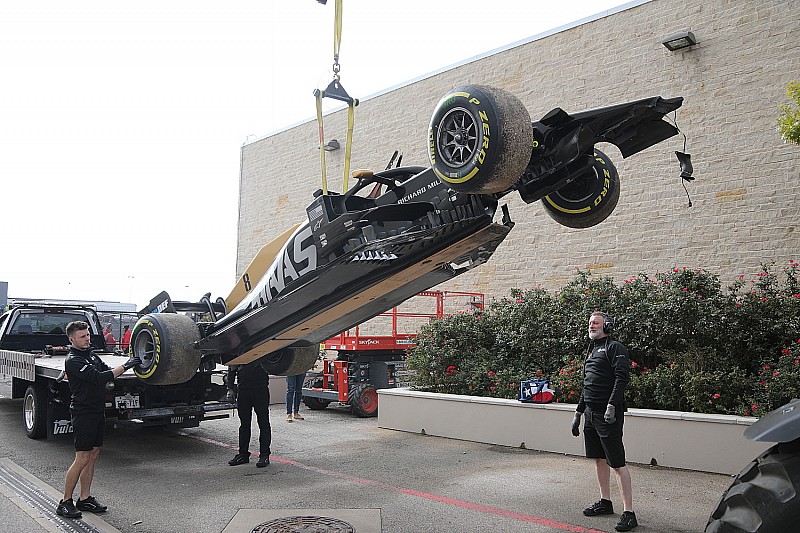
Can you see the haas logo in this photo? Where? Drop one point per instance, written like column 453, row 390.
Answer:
column 62, row 427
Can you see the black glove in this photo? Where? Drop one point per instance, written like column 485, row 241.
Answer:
column 576, row 424
column 132, row 362
column 230, row 396
column 611, row 414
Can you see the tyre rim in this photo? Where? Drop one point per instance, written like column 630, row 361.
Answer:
column 580, row 189
column 369, row 400
column 30, row 411
column 457, row 139
column 145, row 347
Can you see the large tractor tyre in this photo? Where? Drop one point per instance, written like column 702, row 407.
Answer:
column 480, row 139
column 364, row 400
column 589, row 199
column 164, row 343
column 764, row 497
column 292, row 361
column 34, row 411
column 315, row 404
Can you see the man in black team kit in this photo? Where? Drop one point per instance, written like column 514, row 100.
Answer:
column 87, row 376
column 606, row 374
column 253, row 395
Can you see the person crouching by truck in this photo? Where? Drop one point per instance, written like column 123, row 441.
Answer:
column 87, row 376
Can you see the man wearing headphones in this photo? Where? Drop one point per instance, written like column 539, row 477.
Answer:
column 606, row 374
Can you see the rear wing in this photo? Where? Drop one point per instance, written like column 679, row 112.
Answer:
column 162, row 303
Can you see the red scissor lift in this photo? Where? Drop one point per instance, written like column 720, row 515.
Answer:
column 365, row 363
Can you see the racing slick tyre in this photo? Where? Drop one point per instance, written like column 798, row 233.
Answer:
column 364, row 400
column 164, row 343
column 292, row 361
column 34, row 411
column 315, row 404
column 764, row 497
column 589, row 199
column 480, row 139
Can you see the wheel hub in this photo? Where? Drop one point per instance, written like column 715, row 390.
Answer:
column 457, row 137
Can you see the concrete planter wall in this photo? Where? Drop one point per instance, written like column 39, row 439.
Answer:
column 708, row 443
column 277, row 389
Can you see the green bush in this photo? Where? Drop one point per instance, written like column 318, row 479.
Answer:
column 694, row 346
column 789, row 121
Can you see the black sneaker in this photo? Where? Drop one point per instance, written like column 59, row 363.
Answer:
column 67, row 508
column 240, row 459
column 627, row 521
column 263, row 461
column 599, row 507
column 90, row 504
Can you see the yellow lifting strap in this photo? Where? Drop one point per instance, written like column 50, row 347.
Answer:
column 337, row 92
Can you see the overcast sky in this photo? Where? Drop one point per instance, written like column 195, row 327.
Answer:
column 121, row 123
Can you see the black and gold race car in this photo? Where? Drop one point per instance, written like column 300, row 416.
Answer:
column 402, row 230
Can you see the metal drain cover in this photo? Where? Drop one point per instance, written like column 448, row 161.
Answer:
column 304, row 524
column 305, row 521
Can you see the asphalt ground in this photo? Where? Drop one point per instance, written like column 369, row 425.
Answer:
column 157, row 480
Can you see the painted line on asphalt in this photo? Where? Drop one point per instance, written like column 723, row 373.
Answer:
column 21, row 487
column 419, row 494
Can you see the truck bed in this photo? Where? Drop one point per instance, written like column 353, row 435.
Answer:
column 22, row 364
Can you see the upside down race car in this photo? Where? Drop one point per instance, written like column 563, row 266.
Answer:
column 359, row 253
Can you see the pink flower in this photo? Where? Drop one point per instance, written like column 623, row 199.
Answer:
column 776, row 374
column 490, row 373
column 716, row 396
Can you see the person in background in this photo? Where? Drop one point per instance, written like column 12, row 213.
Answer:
column 294, row 393
column 126, row 338
column 87, row 377
column 606, row 375
column 251, row 394
column 111, row 342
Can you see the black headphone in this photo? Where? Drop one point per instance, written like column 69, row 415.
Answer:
column 608, row 322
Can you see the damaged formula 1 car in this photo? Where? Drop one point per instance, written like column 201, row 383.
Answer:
column 363, row 251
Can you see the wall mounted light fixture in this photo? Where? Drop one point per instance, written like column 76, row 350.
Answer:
column 676, row 41
column 331, row 145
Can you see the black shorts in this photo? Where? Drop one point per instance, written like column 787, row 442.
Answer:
column 88, row 430
column 604, row 440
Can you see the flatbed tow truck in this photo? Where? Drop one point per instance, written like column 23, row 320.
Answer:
column 34, row 347
column 368, row 362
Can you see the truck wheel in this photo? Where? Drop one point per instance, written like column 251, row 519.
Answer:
column 589, row 199
column 164, row 343
column 364, row 400
column 480, row 139
column 292, row 361
column 315, row 404
column 34, row 411
column 764, row 497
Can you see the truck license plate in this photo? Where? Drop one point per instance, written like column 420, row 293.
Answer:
column 129, row 401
